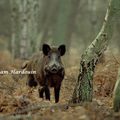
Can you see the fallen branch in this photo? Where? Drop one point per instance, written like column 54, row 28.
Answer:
column 39, row 107
column 26, row 112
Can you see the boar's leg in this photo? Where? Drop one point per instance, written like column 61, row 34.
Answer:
column 47, row 92
column 57, row 93
column 41, row 91
column 31, row 81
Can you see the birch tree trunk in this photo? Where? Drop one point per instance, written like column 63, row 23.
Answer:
column 23, row 21
column 14, row 18
column 84, row 87
column 33, row 24
column 24, row 29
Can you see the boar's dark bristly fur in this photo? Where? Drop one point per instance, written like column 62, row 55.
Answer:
column 49, row 70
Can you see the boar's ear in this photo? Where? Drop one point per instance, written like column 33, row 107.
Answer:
column 46, row 48
column 62, row 49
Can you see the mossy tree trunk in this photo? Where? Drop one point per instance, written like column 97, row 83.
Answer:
column 84, row 87
column 116, row 99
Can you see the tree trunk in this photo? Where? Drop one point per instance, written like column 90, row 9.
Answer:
column 23, row 21
column 116, row 100
column 48, row 22
column 84, row 87
column 24, row 27
column 14, row 23
column 33, row 24
column 71, row 23
column 62, row 22
column 92, row 10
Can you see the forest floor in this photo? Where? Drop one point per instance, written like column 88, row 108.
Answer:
column 18, row 101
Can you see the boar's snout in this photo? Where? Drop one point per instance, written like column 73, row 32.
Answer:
column 54, row 69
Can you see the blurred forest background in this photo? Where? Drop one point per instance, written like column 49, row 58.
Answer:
column 26, row 24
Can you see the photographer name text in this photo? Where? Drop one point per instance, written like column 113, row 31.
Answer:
column 3, row 72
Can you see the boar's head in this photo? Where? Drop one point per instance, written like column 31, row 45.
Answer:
column 53, row 63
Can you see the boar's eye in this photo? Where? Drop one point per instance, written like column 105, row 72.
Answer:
column 62, row 49
column 46, row 49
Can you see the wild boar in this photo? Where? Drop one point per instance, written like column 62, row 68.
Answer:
column 49, row 70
